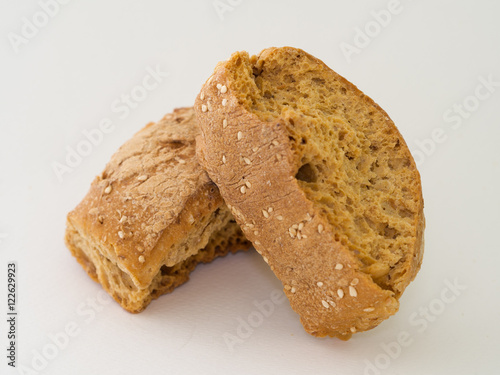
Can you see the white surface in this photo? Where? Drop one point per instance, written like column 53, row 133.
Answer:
column 429, row 58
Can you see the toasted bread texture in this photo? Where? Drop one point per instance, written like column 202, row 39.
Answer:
column 151, row 216
column 320, row 180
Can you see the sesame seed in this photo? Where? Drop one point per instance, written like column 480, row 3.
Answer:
column 339, row 266
column 320, row 228
column 142, row 178
column 209, row 105
column 319, row 283
column 100, row 218
column 247, row 161
column 279, row 217
column 255, row 149
column 224, row 102
column 123, row 218
column 292, row 232
column 332, row 303
column 108, row 189
column 265, row 259
column 295, row 226
column 249, row 225
column 304, row 236
column 340, row 293
column 224, row 123
column 203, row 108
column 248, row 184
column 202, row 95
column 270, row 209
column 240, row 135
column 243, row 189
column 224, row 159
column 288, row 287
column 141, row 259
column 257, row 242
column 265, row 213
column 293, row 290
column 353, row 329
column 210, row 79
column 301, row 226
column 369, row 309
column 325, row 304
column 354, row 282
column 352, row 291
column 223, row 89
column 299, row 235
column 121, row 234
column 219, row 86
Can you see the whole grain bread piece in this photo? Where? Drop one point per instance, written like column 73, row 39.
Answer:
column 151, row 216
column 320, row 180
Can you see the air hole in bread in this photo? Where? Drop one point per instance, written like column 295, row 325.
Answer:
column 306, row 173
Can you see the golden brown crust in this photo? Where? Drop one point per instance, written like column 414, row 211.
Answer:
column 254, row 167
column 152, row 207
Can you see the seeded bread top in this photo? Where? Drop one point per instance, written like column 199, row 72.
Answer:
column 287, row 141
column 153, row 182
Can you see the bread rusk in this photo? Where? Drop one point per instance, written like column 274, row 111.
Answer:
column 320, row 180
column 151, row 216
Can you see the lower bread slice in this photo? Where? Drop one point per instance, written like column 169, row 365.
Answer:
column 320, row 180
column 151, row 216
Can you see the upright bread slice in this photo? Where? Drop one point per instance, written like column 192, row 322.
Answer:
column 151, row 216
column 321, row 182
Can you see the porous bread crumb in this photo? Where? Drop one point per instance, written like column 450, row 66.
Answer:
column 359, row 176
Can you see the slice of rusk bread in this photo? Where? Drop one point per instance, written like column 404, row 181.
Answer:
column 152, row 215
column 320, row 180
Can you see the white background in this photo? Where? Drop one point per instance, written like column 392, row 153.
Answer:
column 425, row 62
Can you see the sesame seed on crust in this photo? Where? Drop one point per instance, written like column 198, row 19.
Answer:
column 352, row 291
column 340, row 293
